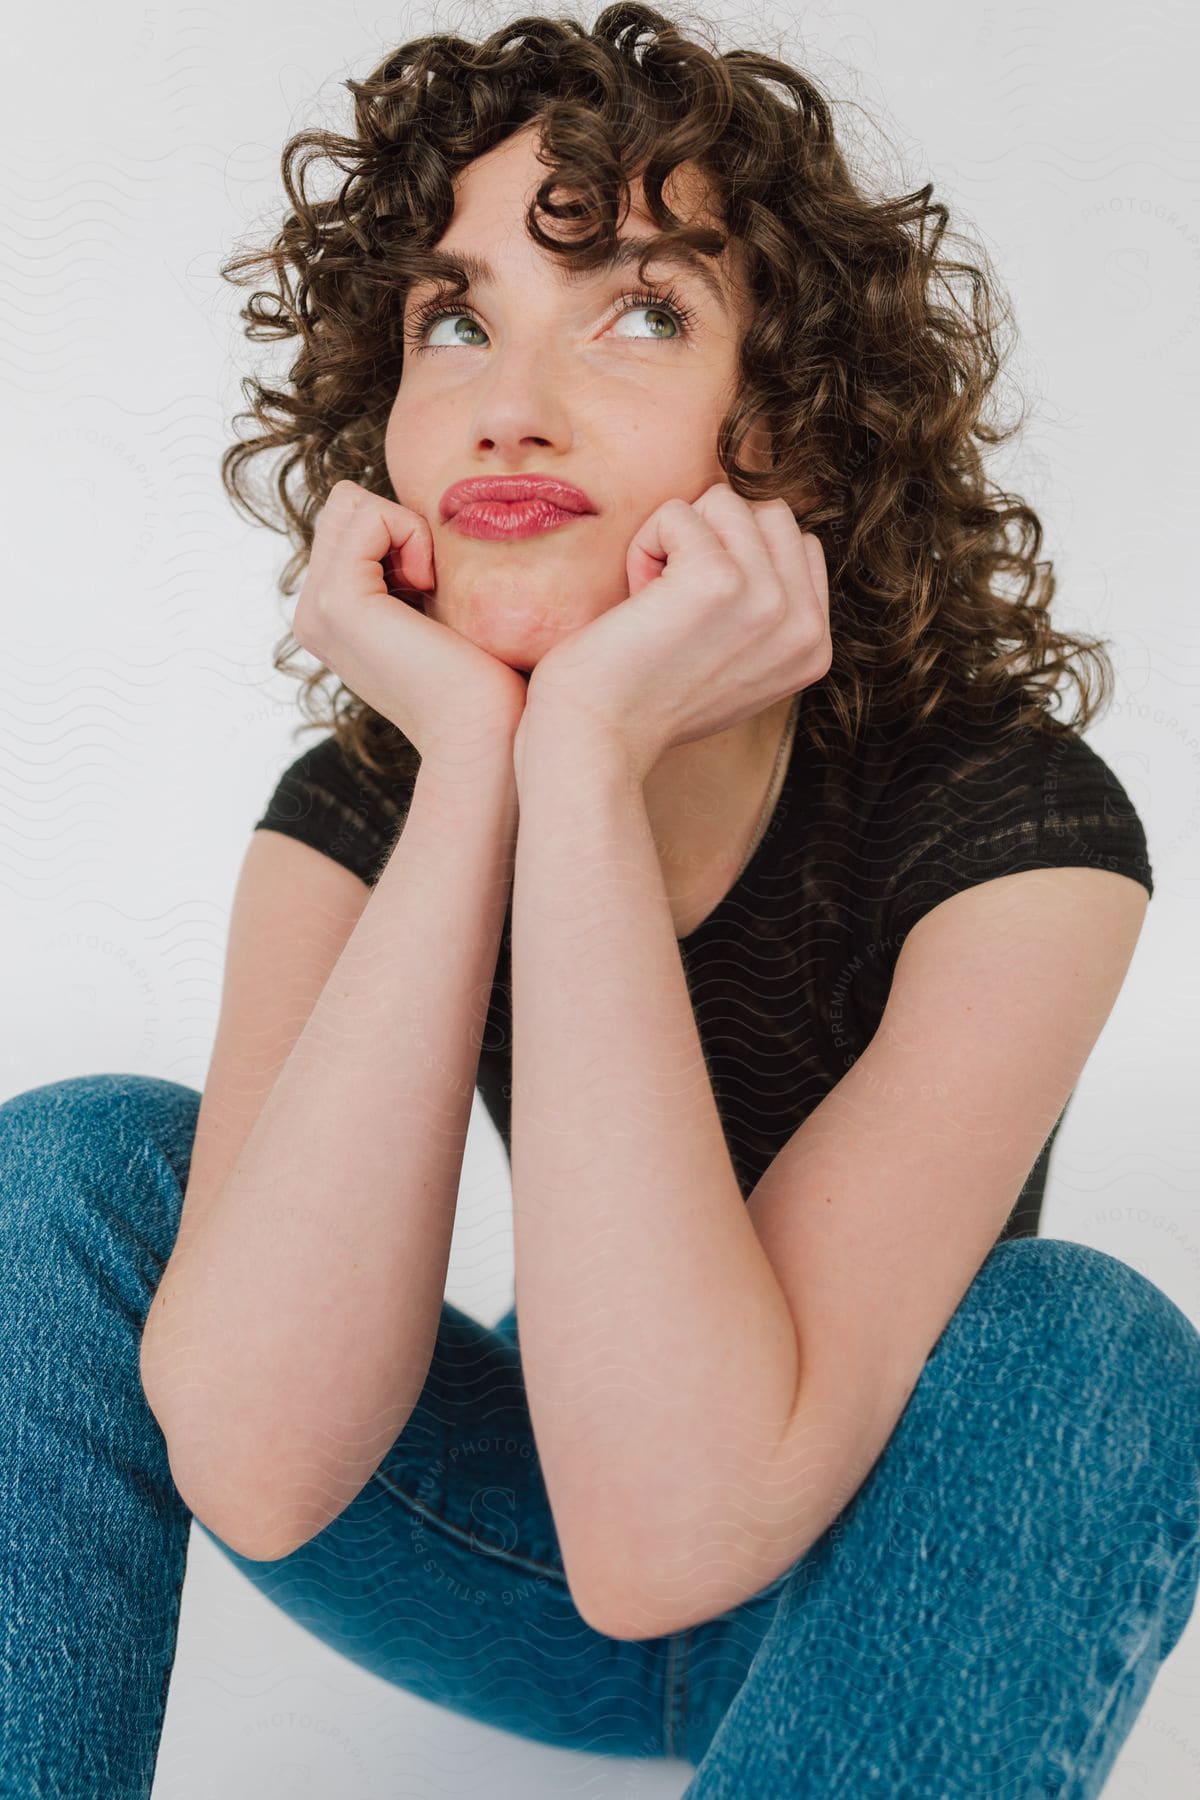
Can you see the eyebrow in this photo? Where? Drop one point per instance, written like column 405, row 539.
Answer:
column 627, row 251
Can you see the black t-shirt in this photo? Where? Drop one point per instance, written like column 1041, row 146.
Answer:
column 789, row 975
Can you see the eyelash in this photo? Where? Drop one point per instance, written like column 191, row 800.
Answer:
column 430, row 311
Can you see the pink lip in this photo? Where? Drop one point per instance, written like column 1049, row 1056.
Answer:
column 499, row 519
column 563, row 495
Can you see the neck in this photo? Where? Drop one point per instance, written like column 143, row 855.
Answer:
column 703, row 802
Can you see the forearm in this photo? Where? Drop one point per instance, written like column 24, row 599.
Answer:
column 290, row 1337
column 659, row 1353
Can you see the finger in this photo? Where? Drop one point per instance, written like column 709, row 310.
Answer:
column 797, row 554
column 371, row 528
column 780, row 534
column 738, row 526
column 785, row 523
column 409, row 551
column 672, row 529
column 820, row 572
column 402, row 583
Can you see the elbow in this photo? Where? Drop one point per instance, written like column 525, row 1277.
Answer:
column 604, row 1614
column 656, row 1598
column 252, row 1548
column 593, row 1593
column 626, row 1584
column 616, row 1609
column 236, row 1528
column 247, row 1532
column 629, row 1618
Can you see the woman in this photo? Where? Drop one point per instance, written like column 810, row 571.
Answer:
column 704, row 807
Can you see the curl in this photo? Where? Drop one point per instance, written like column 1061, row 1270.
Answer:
column 871, row 352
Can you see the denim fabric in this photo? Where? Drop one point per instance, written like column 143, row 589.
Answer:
column 984, row 1618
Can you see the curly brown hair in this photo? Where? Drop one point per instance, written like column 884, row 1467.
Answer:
column 869, row 372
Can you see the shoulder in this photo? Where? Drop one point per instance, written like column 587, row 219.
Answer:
column 960, row 803
column 328, row 798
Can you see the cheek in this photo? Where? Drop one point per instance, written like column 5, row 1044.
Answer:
column 416, row 426
column 406, row 466
column 399, row 425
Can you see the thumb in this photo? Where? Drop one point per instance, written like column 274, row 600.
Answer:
column 641, row 568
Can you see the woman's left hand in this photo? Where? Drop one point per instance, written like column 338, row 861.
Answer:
column 728, row 612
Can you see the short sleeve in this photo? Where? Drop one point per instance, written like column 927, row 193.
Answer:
column 971, row 812
column 339, row 807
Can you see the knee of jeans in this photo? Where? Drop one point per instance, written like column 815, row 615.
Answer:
column 1104, row 1345
column 1082, row 1296
column 66, row 1142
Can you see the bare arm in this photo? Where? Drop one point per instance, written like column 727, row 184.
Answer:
column 659, row 1354
column 711, row 1381
column 292, row 1331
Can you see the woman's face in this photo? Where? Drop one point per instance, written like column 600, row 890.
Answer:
column 543, row 376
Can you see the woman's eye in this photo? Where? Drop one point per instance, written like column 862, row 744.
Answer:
column 669, row 313
column 423, row 330
column 669, row 310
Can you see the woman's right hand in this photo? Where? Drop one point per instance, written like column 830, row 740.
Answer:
column 442, row 691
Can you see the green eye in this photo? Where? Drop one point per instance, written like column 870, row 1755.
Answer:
column 433, row 310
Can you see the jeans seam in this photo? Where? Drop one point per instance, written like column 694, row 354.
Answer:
column 685, row 1648
column 1080, row 1773
column 528, row 1564
column 669, row 1698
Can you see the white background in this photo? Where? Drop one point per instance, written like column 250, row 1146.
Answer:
column 143, row 727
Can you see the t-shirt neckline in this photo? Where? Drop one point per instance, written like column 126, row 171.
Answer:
column 764, row 850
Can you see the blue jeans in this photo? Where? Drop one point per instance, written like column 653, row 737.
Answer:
column 985, row 1617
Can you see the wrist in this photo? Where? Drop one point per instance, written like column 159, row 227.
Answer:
column 480, row 764
column 557, row 739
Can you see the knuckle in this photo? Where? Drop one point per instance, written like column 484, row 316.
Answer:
column 821, row 654
column 771, row 603
column 727, row 579
column 342, row 501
